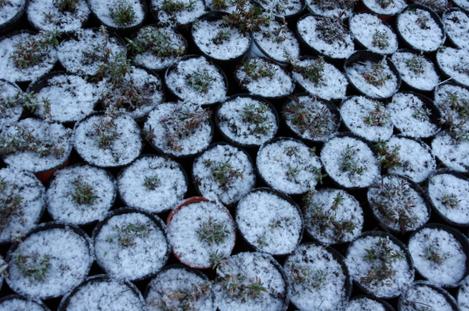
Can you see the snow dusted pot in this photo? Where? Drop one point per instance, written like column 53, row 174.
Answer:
column 22, row 203
column 247, row 121
column 51, row 260
column 311, row 119
column 287, row 9
column 331, row 8
column 87, row 52
column 108, row 141
column 332, row 216
column 318, row 278
column 276, row 42
column 379, row 264
column 269, row 221
column 319, row 78
column 179, row 129
column 414, row 115
column 57, row 15
column 35, row 145
column 366, row 118
column 326, row 36
column 156, row 48
column 406, row 157
column 201, row 232
column 100, row 290
column 463, row 295
column 457, row 27
column 176, row 287
column 373, row 34
column 452, row 151
column 440, row 254
column 423, row 293
column 398, row 204
column 218, row 39
column 62, row 97
column 449, row 195
column 27, row 56
column 264, row 78
column 223, row 172
column 153, row 184
column 350, row 162
column 80, row 195
column 121, row 15
column 454, row 63
column 385, row 7
column 131, row 245
column 416, row 71
column 250, row 281
column 421, row 28
column 372, row 74
column 289, row 166
column 197, row 80
column 463, row 4
column 11, row 103
column 361, row 303
column 10, row 13
column 177, row 12
column 17, row 302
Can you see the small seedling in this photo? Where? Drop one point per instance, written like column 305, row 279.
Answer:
column 257, row 116
column 128, row 234
column 330, row 30
column 213, row 232
column 32, row 51
column 219, row 5
column 151, row 182
column 224, row 173
column 416, row 64
column 314, row 121
column 83, row 193
column 106, row 133
column 66, row 5
column 123, row 13
column 156, row 41
column 175, row 6
column 335, row 4
column 377, row 75
column 257, row 70
column 434, row 255
column 388, row 156
column 34, row 267
column 313, row 72
column 384, row 3
column 11, row 206
column 221, row 37
column 238, row 287
column 377, row 117
column 247, row 20
column 450, row 200
column 349, row 163
column 380, row 40
column 200, row 81
column 422, row 22
column 381, row 256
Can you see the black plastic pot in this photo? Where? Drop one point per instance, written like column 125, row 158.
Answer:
column 385, row 304
column 121, row 29
column 448, row 75
column 25, row 299
column 11, row 23
column 361, row 56
column 451, row 301
column 122, row 211
column 450, row 38
column 255, row 97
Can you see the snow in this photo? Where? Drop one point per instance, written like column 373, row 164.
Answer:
column 424, row 294
column 355, row 112
column 452, row 112
column 449, row 268
column 45, row 15
column 224, row 173
column 10, row 10
column 332, row 157
column 178, row 81
column 453, row 153
column 9, row 93
column 411, row 116
column 424, row 77
column 69, row 98
column 335, row 11
column 457, row 27
column 365, row 304
column 394, row 6
column 185, row 238
column 167, row 125
column 100, row 292
column 26, row 186
column 249, row 268
column 127, row 254
column 123, row 148
column 269, row 222
column 205, row 34
column 283, row 8
column 247, row 121
column 18, row 303
column 69, row 257
column 463, row 295
column 170, row 188
column 365, row 27
column 277, row 84
column 103, row 11
column 442, row 187
column 167, row 283
column 327, row 213
column 420, row 29
column 318, row 281
column 340, row 48
column 192, row 10
column 289, row 166
column 332, row 84
column 464, row 4
column 359, row 266
column 454, row 63
column 61, row 204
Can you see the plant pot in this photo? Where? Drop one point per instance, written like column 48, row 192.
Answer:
column 123, row 15
column 17, row 302
column 363, row 302
column 335, row 9
column 177, row 15
column 456, row 25
column 12, row 15
column 452, row 62
column 425, row 293
column 451, row 152
column 12, row 107
column 391, row 9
